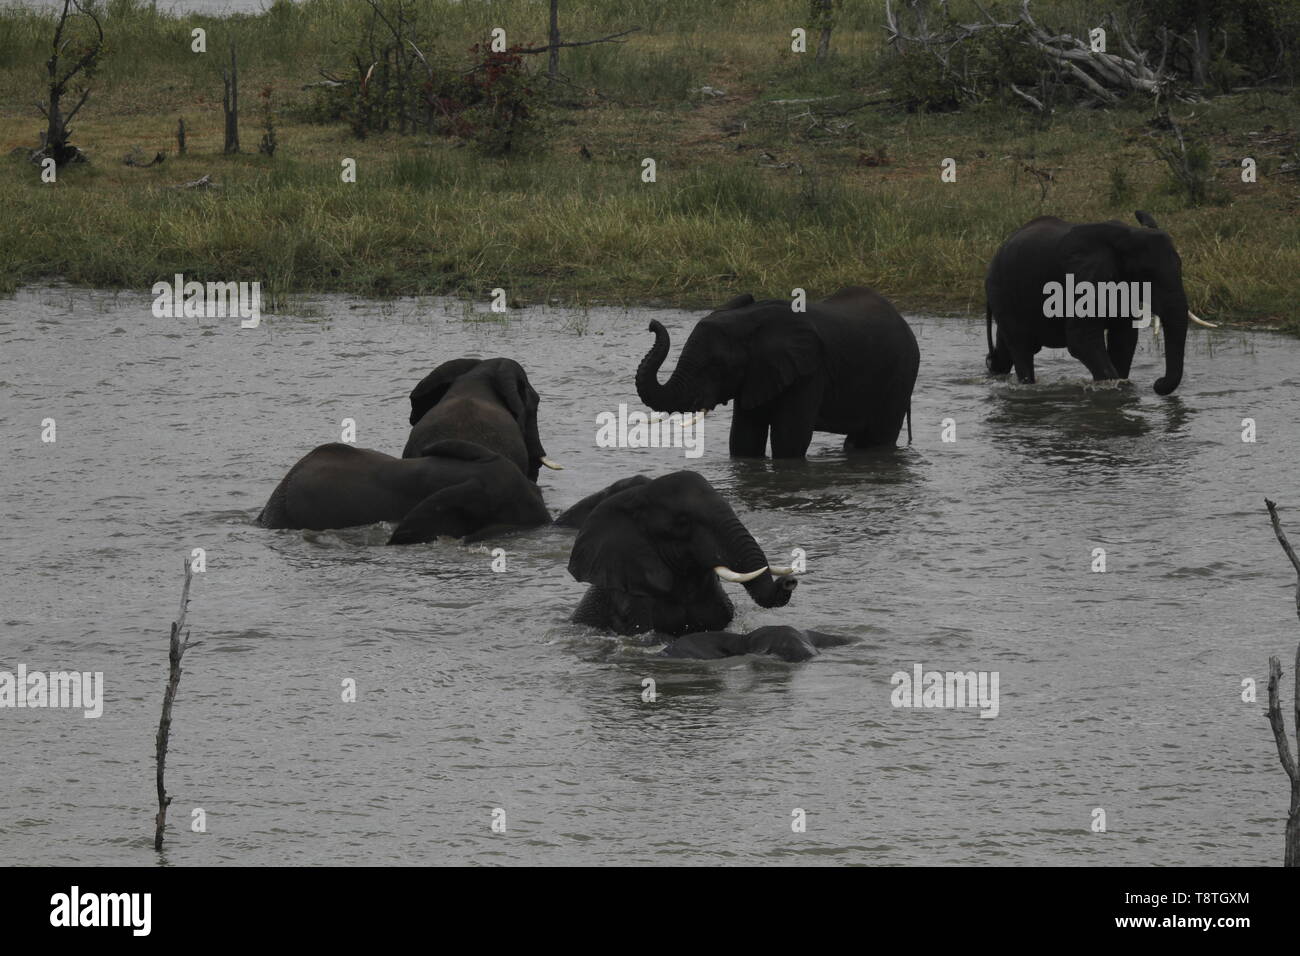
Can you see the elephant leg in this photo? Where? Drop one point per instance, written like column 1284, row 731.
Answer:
column 794, row 418
column 1086, row 341
column 883, row 424
column 749, row 433
column 1022, row 357
column 998, row 362
column 1121, row 343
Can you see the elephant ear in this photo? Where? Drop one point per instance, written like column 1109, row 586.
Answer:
column 577, row 515
column 613, row 551
column 434, row 386
column 518, row 395
column 783, row 349
column 739, row 302
column 1095, row 252
column 454, row 512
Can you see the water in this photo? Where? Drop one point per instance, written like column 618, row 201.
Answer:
column 1118, row 690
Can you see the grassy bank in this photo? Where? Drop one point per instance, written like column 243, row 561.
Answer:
column 751, row 194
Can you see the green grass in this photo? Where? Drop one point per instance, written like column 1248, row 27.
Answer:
column 749, row 195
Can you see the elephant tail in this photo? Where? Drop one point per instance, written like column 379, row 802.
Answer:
column 988, row 324
column 909, row 421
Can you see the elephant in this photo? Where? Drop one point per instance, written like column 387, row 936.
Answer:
column 458, row 489
column 847, row 366
column 653, row 554
column 575, row 516
column 489, row 402
column 1047, row 249
column 784, row 642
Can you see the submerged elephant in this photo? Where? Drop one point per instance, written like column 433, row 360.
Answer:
column 1047, row 250
column 847, row 366
column 653, row 554
column 489, row 402
column 784, row 642
column 457, row 489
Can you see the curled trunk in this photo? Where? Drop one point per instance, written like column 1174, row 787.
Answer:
column 678, row 393
column 743, row 554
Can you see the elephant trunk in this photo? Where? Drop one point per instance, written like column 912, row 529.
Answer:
column 742, row 553
column 1173, row 318
column 536, row 453
column 673, row 395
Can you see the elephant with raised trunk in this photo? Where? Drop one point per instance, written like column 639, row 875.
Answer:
column 847, row 366
column 655, row 553
column 457, row 489
column 486, row 401
column 1047, row 250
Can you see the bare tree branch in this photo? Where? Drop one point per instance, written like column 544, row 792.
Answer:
column 177, row 650
column 1275, row 719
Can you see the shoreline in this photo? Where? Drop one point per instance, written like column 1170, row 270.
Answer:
column 784, row 176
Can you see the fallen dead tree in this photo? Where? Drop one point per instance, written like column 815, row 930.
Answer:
column 961, row 53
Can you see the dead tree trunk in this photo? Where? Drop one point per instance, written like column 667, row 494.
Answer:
column 553, row 66
column 57, row 131
column 822, row 14
column 1102, row 76
column 230, row 101
column 179, row 645
column 1275, row 718
column 1201, row 48
column 180, row 136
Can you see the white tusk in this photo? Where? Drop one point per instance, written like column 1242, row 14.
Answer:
column 779, row 571
column 551, row 465
column 1155, row 324
column 735, row 577
column 1199, row 321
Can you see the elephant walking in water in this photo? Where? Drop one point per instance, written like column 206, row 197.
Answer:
column 456, row 489
column 1097, row 257
column 847, row 366
column 654, row 553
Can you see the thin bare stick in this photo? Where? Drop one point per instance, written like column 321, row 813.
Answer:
column 177, row 650
column 612, row 38
column 1275, row 719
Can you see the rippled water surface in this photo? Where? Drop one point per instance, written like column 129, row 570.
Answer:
column 1119, row 690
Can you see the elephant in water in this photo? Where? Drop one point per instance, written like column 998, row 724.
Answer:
column 458, row 489
column 1103, row 260
column 784, row 642
column 654, row 552
column 847, row 366
column 577, row 515
column 486, row 401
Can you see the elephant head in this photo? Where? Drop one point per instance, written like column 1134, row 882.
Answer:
column 746, row 350
column 667, row 542
column 1116, row 252
column 499, row 380
column 577, row 515
column 433, row 387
